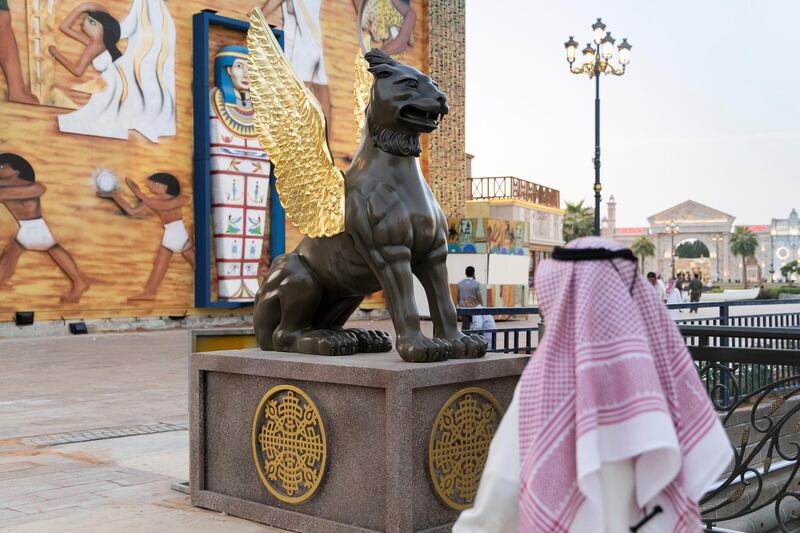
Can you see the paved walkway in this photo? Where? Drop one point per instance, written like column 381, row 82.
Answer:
column 92, row 435
column 65, row 389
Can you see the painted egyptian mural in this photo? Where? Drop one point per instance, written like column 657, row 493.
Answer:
column 97, row 153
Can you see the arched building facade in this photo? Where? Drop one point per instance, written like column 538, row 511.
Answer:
column 695, row 221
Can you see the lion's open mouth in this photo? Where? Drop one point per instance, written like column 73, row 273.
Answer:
column 419, row 116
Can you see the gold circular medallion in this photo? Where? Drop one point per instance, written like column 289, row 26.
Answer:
column 459, row 445
column 289, row 446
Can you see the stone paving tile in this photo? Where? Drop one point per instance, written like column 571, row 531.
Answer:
column 63, row 492
column 47, row 470
column 141, row 492
column 137, row 478
column 78, row 500
column 6, row 514
column 90, row 476
column 20, row 497
column 10, row 467
column 40, row 473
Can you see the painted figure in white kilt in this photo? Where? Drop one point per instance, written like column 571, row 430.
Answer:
column 167, row 202
column 239, row 179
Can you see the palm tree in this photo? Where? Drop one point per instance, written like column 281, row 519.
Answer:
column 643, row 247
column 578, row 221
column 743, row 243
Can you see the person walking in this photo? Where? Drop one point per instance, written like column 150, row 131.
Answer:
column 652, row 278
column 695, row 290
column 680, row 283
column 662, row 285
column 673, row 297
column 468, row 289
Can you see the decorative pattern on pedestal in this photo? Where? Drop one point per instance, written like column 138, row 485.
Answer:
column 459, row 445
column 447, row 158
column 289, row 445
column 240, row 171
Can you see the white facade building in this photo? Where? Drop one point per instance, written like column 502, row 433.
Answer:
column 698, row 222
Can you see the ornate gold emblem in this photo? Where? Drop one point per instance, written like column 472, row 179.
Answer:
column 289, row 445
column 459, row 445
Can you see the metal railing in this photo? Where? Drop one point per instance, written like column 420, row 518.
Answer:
column 522, row 339
column 761, row 419
column 509, row 187
column 762, row 357
column 506, row 339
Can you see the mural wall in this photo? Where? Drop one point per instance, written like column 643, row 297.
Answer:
column 96, row 165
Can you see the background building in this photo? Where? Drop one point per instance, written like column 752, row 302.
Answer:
column 784, row 242
column 510, row 225
column 693, row 221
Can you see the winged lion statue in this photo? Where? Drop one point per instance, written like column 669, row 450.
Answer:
column 373, row 227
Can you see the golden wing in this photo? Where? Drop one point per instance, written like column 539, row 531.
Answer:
column 291, row 128
column 361, row 90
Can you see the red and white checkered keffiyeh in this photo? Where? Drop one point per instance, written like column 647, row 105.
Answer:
column 612, row 380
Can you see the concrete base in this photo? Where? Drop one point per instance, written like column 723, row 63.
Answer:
column 378, row 413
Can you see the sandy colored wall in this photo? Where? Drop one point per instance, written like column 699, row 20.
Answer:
column 113, row 251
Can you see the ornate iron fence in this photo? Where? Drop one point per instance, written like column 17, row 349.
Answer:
column 762, row 422
column 764, row 356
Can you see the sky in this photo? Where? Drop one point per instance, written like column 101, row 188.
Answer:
column 708, row 109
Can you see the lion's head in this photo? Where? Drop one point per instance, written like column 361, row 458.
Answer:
column 403, row 104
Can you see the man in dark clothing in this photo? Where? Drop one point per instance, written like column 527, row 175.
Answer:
column 468, row 289
column 695, row 289
column 680, row 284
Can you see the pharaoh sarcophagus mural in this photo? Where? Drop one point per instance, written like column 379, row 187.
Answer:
column 240, row 172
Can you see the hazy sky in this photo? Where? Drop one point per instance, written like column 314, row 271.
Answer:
column 709, row 108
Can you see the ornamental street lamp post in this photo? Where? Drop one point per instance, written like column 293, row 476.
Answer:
column 672, row 228
column 718, row 239
column 597, row 60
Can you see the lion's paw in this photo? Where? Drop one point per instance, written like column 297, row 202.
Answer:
column 469, row 346
column 421, row 349
column 371, row 341
column 327, row 342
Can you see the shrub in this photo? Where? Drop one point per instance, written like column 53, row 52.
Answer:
column 773, row 293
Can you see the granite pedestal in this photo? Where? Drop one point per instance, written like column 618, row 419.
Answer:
column 378, row 413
